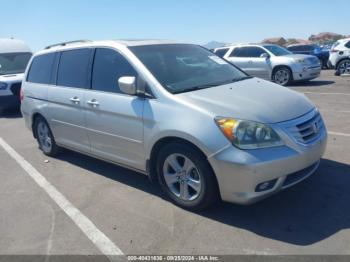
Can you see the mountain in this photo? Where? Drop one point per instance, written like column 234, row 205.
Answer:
column 275, row 40
column 326, row 37
column 213, row 44
column 321, row 38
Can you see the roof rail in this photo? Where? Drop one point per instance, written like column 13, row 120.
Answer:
column 67, row 43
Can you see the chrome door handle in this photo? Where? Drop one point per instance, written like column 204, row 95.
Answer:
column 75, row 100
column 93, row 102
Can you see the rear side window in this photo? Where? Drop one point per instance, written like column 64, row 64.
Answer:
column 250, row 51
column 293, row 48
column 108, row 67
column 41, row 69
column 297, row 48
column 221, row 52
column 73, row 70
column 309, row 47
column 347, row 44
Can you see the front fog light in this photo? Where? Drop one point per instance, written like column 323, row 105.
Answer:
column 264, row 186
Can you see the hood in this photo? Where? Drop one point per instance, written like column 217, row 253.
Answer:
column 298, row 56
column 12, row 78
column 253, row 99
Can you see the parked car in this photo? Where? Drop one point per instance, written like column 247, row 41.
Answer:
column 312, row 49
column 14, row 56
column 340, row 56
column 176, row 112
column 272, row 62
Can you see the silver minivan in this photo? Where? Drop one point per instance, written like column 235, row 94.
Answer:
column 175, row 112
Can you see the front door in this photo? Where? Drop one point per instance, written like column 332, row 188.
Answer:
column 249, row 59
column 114, row 120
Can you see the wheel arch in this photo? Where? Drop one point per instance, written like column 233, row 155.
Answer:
column 341, row 60
column 280, row 66
column 152, row 170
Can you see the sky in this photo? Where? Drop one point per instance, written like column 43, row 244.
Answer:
column 43, row 22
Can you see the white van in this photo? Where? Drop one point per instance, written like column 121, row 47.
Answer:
column 14, row 56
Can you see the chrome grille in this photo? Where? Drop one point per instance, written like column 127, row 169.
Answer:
column 307, row 130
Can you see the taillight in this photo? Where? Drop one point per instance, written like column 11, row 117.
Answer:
column 334, row 50
column 21, row 94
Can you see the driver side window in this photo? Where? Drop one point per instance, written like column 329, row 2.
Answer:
column 108, row 67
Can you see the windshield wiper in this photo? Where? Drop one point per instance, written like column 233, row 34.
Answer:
column 195, row 88
column 241, row 79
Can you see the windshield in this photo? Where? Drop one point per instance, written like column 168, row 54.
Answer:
column 13, row 63
column 277, row 50
column 185, row 67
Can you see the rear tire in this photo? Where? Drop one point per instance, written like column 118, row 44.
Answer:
column 186, row 177
column 282, row 76
column 45, row 138
column 343, row 67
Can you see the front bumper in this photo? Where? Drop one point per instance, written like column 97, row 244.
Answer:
column 239, row 172
column 9, row 102
column 307, row 73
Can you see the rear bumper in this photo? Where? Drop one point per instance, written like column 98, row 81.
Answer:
column 9, row 102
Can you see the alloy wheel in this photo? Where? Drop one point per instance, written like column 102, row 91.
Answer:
column 182, row 177
column 344, row 68
column 282, row 76
column 44, row 137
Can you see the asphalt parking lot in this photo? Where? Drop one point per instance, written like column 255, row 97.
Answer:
column 310, row 218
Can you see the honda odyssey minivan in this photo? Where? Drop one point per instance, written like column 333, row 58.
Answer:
column 175, row 112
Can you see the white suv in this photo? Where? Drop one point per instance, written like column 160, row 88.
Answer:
column 271, row 62
column 340, row 56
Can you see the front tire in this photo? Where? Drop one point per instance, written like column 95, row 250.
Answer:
column 282, row 76
column 186, row 177
column 45, row 138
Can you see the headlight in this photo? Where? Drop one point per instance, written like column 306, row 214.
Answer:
column 3, row 86
column 248, row 134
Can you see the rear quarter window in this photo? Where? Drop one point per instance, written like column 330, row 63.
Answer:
column 41, row 69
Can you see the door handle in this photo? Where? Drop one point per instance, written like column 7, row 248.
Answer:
column 250, row 62
column 93, row 102
column 75, row 100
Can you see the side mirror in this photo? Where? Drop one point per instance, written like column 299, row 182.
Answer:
column 265, row 55
column 127, row 85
